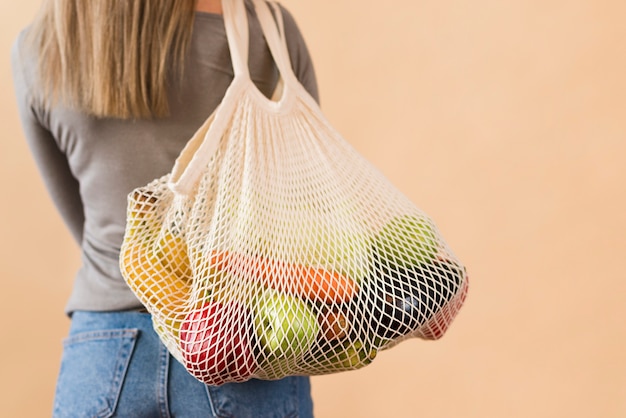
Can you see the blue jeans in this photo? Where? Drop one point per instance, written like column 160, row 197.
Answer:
column 114, row 365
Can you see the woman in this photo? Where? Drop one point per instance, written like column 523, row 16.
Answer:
column 109, row 93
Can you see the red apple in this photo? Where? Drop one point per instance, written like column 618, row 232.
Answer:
column 216, row 343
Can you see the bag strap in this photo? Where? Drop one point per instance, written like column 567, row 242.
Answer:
column 205, row 141
column 237, row 32
column 273, row 28
column 236, row 25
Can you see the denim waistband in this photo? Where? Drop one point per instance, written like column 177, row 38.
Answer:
column 90, row 320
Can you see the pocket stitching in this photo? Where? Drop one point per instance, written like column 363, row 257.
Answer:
column 86, row 336
column 127, row 339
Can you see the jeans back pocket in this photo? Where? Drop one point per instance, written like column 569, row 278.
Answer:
column 289, row 397
column 93, row 368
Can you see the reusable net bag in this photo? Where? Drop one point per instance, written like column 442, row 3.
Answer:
column 273, row 248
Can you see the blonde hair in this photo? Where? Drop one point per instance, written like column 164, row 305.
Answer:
column 112, row 58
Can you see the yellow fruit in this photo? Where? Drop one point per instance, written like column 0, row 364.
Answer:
column 169, row 326
column 155, row 265
column 171, row 253
column 155, row 287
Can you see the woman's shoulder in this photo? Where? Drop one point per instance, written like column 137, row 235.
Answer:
column 23, row 56
column 290, row 24
column 21, row 48
column 23, row 62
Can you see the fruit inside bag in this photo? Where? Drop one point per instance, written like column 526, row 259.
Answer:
column 231, row 315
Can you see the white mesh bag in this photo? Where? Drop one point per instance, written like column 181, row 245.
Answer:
column 273, row 248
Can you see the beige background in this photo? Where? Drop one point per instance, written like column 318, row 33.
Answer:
column 506, row 122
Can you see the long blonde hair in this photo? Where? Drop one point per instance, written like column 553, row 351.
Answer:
column 112, row 58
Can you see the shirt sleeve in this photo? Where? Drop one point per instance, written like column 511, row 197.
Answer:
column 52, row 163
column 301, row 60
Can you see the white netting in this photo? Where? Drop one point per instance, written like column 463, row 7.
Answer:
column 288, row 254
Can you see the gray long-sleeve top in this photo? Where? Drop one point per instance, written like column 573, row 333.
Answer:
column 89, row 165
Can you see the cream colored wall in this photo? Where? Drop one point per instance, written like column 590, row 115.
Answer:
column 506, row 122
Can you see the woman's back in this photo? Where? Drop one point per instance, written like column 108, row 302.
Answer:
column 90, row 164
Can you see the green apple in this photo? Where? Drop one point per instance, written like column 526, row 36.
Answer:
column 407, row 241
column 285, row 326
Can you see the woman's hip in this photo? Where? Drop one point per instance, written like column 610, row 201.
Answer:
column 114, row 364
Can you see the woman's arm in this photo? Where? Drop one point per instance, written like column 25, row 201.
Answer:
column 50, row 160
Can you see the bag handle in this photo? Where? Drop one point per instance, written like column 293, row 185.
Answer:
column 205, row 141
column 236, row 25
column 273, row 28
